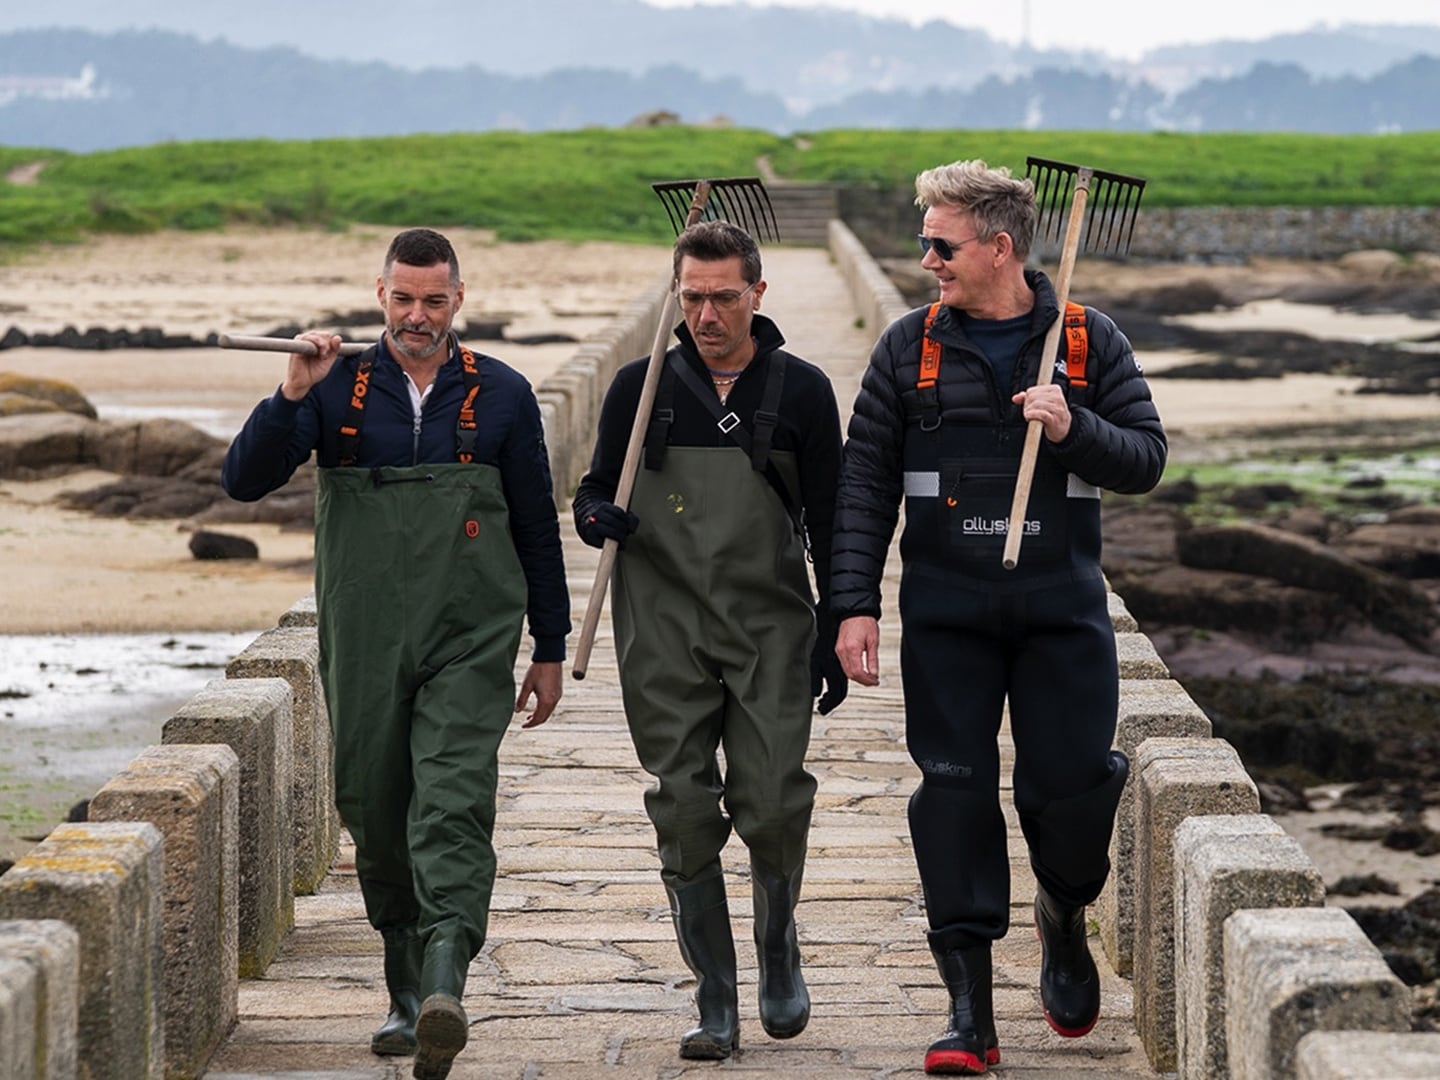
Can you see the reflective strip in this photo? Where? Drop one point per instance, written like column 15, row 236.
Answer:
column 926, row 485
column 922, row 484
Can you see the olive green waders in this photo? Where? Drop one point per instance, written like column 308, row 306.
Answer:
column 714, row 626
column 420, row 597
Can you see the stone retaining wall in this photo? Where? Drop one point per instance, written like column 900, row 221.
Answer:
column 1238, row 969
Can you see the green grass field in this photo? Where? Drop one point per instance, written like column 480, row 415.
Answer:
column 594, row 184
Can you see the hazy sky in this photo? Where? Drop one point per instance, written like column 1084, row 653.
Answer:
column 1126, row 28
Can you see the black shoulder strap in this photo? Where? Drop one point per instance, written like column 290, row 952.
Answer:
column 768, row 415
column 732, row 426
column 355, row 412
column 662, row 415
column 465, row 426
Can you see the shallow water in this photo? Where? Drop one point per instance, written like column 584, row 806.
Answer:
column 76, row 708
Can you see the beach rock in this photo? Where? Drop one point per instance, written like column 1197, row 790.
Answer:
column 145, row 498
column 292, row 507
column 60, row 394
column 1390, row 603
column 21, row 405
column 38, row 443
column 1406, row 546
column 205, row 544
column 1287, row 615
column 155, row 447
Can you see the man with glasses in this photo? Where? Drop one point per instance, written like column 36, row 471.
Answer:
column 715, row 625
column 940, row 421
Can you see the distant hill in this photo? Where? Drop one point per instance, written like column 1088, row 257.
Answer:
column 81, row 90
column 807, row 57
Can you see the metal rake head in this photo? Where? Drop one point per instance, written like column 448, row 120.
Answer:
column 1112, row 203
column 742, row 200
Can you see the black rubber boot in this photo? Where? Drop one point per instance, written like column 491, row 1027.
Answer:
column 784, row 1000
column 702, row 927
column 403, row 960
column 969, row 1046
column 1069, row 983
column 442, row 1029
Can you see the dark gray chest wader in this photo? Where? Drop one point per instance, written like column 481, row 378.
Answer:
column 976, row 637
column 421, row 598
column 714, row 624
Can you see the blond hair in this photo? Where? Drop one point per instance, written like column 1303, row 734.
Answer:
column 996, row 200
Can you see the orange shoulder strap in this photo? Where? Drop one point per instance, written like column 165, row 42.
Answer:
column 1077, row 343
column 929, row 352
column 1077, row 347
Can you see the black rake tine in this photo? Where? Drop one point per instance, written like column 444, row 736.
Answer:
column 1040, row 177
column 1111, row 210
column 756, row 201
column 1097, row 221
column 1123, row 211
column 670, row 198
column 1132, row 211
column 1115, row 211
column 1047, row 181
column 724, row 198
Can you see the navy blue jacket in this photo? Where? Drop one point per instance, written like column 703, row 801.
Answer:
column 280, row 435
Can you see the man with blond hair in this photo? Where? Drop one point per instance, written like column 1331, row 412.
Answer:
column 940, row 421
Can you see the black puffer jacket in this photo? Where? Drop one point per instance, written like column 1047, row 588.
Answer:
column 1115, row 442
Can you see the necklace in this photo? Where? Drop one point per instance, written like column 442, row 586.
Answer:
column 723, row 381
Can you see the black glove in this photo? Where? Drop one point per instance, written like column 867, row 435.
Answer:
column 825, row 671
column 607, row 522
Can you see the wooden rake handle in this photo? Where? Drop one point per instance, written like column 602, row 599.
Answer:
column 631, row 465
column 1026, row 476
column 285, row 345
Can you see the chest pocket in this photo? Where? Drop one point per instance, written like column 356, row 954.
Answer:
column 974, row 509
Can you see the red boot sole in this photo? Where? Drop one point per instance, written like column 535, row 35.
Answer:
column 955, row 1063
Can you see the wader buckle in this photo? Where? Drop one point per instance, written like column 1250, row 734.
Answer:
column 728, row 422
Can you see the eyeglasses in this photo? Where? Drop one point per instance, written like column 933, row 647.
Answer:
column 721, row 300
column 944, row 248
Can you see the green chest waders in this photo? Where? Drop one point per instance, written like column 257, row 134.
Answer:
column 421, row 598
column 714, row 626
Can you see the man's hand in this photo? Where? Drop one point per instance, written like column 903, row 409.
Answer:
column 544, row 681
column 305, row 371
column 608, row 522
column 857, row 646
column 1046, row 404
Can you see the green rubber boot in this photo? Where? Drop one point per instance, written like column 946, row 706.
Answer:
column 404, row 959
column 702, row 927
column 442, row 1029
column 784, row 999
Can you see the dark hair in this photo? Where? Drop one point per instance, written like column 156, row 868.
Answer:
column 423, row 247
column 711, row 241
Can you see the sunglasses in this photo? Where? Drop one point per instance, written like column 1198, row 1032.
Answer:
column 944, row 248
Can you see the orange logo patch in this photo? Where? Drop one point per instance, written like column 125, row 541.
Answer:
column 472, row 528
